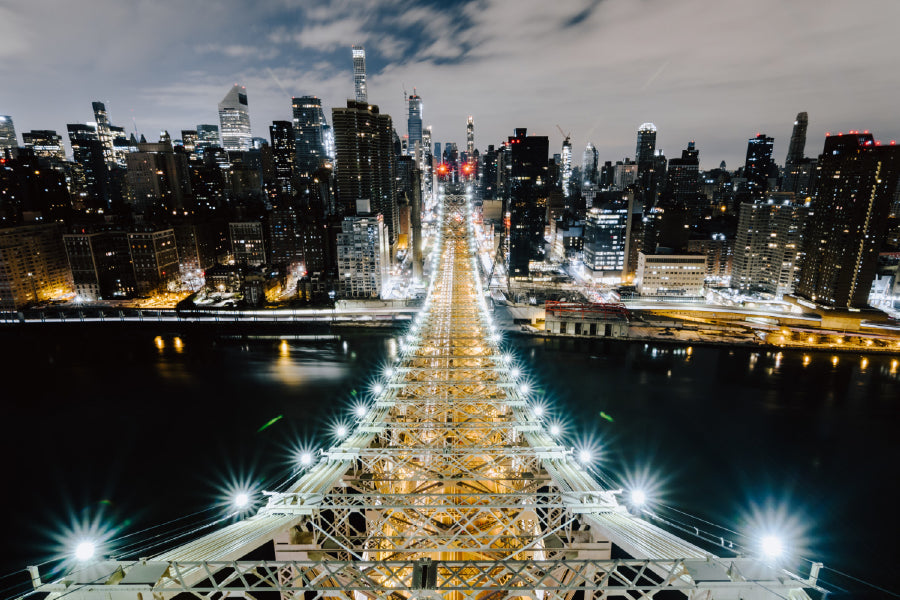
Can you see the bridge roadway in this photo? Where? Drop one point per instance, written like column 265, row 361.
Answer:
column 449, row 485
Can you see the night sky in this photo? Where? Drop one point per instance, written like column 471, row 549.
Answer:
column 717, row 71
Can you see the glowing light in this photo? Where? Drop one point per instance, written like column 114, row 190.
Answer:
column 242, row 500
column 84, row 551
column 834, row 361
column 514, row 373
column 341, row 431
column 360, row 411
column 771, row 546
column 638, row 497
column 555, row 430
column 378, row 388
column 507, row 358
column 585, row 456
column 306, row 459
column 159, row 342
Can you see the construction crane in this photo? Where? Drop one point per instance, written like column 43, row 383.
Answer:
column 566, row 136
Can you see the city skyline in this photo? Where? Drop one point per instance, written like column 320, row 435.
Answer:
column 732, row 72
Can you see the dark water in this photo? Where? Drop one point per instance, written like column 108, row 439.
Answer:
column 106, row 427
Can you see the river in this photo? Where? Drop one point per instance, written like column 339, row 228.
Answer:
column 126, row 429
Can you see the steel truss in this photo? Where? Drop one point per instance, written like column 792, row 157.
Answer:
column 449, row 486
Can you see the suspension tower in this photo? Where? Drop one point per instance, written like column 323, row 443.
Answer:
column 451, row 484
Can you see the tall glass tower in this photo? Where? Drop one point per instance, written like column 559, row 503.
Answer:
column 414, row 122
column 359, row 74
column 7, row 133
column 646, row 144
column 309, row 134
column 589, row 165
column 798, row 140
column 234, row 120
column 566, row 167
column 470, row 136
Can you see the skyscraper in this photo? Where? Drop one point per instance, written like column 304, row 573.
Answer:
column 208, row 137
column 527, row 203
column 104, row 133
column 606, row 241
column 470, row 135
column 282, row 135
column 363, row 256
column 7, row 133
column 45, row 143
column 309, row 134
column 758, row 166
column 589, row 165
column 364, row 164
column 798, row 140
column 646, row 145
column 88, row 154
column 767, row 248
column 566, row 167
column 799, row 171
column 359, row 74
column 234, row 120
column 857, row 181
column 414, row 122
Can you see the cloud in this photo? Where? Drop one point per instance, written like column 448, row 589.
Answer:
column 717, row 72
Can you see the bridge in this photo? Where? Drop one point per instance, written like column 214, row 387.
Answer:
column 451, row 484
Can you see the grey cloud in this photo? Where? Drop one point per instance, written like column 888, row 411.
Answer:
column 717, row 72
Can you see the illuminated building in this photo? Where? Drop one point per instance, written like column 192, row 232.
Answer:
column 189, row 140
column 646, row 145
column 589, row 163
column 799, row 171
column 414, row 122
column 154, row 256
column 208, row 137
column 45, row 143
column 566, row 167
column 650, row 175
column 365, row 161
column 759, row 167
column 624, row 174
column 571, row 318
column 234, row 120
column 606, row 239
column 247, row 243
column 426, row 141
column 309, row 134
column 282, row 136
column 767, row 247
column 158, row 178
column 33, row 265
column 88, row 153
column 470, row 135
column 286, row 234
column 359, row 74
column 719, row 251
column 671, row 275
column 363, row 257
column 101, row 264
column 7, row 133
column 527, row 201
column 856, row 183
column 104, row 134
column 797, row 147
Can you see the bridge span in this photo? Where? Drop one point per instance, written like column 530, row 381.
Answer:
column 450, row 484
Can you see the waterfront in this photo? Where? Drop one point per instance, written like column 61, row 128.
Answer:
column 148, row 429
